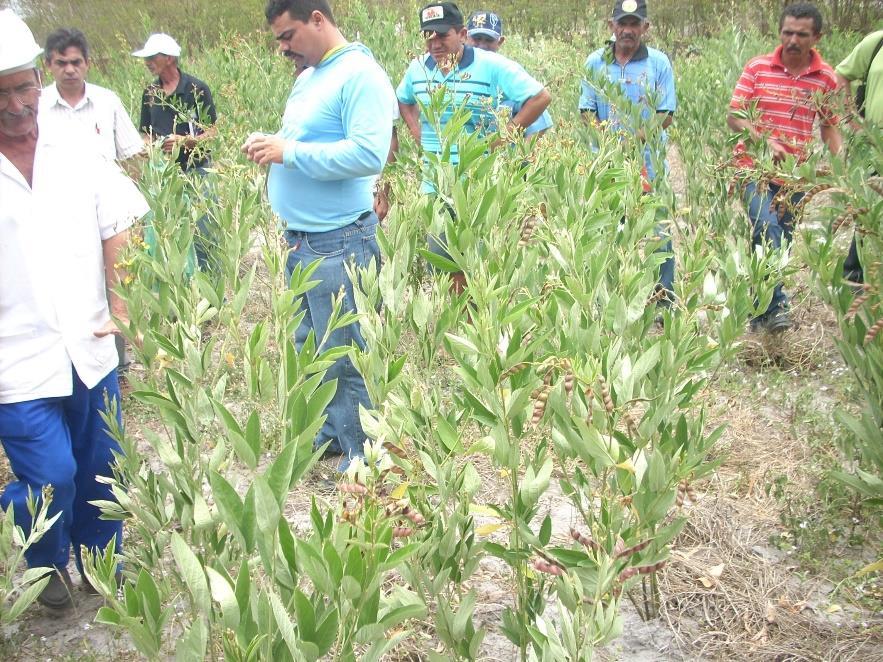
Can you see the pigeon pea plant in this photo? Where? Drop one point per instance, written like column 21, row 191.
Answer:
column 18, row 592
column 856, row 205
column 554, row 368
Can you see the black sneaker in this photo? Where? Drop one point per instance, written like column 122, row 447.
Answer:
column 57, row 593
column 778, row 322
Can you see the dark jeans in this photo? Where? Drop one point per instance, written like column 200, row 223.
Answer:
column 355, row 242
column 769, row 227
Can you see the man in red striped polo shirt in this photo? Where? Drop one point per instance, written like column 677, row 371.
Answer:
column 777, row 100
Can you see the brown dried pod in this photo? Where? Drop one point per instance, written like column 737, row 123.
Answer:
column 841, row 220
column 634, row 549
column 630, row 424
column 627, row 574
column 681, row 493
column 402, row 531
column 518, row 367
column 539, row 408
column 814, row 191
column 352, row 488
column 873, row 331
column 859, row 301
column 394, row 450
column 619, row 547
column 605, row 395
column 348, row 516
column 876, row 186
column 548, row 568
column 648, row 569
column 584, row 540
column 415, row 517
column 691, row 494
column 569, row 382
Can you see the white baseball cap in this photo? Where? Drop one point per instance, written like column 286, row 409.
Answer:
column 18, row 50
column 159, row 43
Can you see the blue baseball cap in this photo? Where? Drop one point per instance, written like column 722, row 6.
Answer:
column 484, row 23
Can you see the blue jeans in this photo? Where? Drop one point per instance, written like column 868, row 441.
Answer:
column 768, row 226
column 355, row 242
column 62, row 442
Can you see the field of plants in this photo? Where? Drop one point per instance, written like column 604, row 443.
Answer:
column 551, row 475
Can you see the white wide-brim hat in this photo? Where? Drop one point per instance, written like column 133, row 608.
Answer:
column 18, row 50
column 159, row 43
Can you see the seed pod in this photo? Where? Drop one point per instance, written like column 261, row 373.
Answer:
column 648, row 569
column 394, row 450
column 539, row 409
column 876, row 186
column 348, row 516
column 627, row 574
column 416, row 518
column 569, row 383
column 548, row 568
column 841, row 220
column 527, row 230
column 634, row 549
column 605, row 395
column 584, row 540
column 518, row 367
column 691, row 493
column 853, row 309
column 402, row 531
column 873, row 331
column 630, row 424
column 815, row 190
column 682, row 492
column 618, row 548
column 352, row 488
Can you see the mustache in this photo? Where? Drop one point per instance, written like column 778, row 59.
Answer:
column 25, row 112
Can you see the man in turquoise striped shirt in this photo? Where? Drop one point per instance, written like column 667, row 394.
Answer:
column 474, row 79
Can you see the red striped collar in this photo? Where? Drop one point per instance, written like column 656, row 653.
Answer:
column 816, row 64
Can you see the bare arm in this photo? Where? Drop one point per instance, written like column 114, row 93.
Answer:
column 532, row 109
column 381, row 195
column 111, row 248
column 832, row 138
column 410, row 113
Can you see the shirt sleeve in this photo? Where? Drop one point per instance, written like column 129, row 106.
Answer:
column 744, row 90
column 367, row 128
column 119, row 203
column 405, row 90
column 515, row 83
column 588, row 100
column 126, row 137
column 144, row 124
column 855, row 65
column 665, row 85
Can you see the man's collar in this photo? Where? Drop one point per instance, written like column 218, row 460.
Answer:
column 641, row 54
column 466, row 59
column 55, row 97
column 815, row 63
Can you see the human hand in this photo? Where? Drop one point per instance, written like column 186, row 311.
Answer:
column 381, row 204
column 169, row 143
column 777, row 150
column 263, row 149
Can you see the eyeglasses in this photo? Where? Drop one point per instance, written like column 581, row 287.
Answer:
column 25, row 94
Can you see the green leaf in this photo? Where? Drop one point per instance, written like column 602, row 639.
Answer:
column 222, row 593
column 192, row 572
column 266, row 506
column 191, row 646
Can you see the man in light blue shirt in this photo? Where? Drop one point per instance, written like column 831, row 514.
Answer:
column 484, row 30
column 642, row 80
column 476, row 80
column 334, row 141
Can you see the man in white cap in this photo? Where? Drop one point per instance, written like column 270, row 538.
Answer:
column 179, row 109
column 86, row 112
column 63, row 221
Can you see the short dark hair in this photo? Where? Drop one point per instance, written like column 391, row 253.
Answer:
column 803, row 10
column 61, row 39
column 299, row 10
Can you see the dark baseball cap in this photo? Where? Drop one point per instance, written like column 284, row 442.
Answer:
column 485, row 23
column 440, row 17
column 623, row 8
